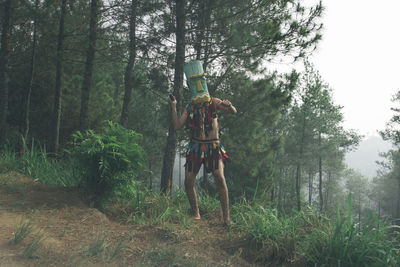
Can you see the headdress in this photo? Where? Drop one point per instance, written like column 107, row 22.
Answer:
column 196, row 81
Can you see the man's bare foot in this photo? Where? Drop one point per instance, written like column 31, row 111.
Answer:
column 197, row 217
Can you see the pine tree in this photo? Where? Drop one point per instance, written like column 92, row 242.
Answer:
column 5, row 36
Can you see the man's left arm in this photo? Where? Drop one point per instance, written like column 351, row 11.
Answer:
column 225, row 106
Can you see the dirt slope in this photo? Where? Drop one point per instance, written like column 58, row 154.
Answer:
column 68, row 232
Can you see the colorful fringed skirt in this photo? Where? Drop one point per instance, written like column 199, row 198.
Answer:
column 207, row 152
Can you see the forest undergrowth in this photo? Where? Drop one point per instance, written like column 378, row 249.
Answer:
column 262, row 234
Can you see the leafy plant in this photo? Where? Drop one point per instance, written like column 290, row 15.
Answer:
column 109, row 161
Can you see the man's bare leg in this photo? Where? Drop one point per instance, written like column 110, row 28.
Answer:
column 219, row 178
column 190, row 182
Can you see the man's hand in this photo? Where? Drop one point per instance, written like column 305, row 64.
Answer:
column 178, row 123
column 226, row 103
column 172, row 100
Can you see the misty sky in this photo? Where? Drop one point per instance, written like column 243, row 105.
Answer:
column 359, row 57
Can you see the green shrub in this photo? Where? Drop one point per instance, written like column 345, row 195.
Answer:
column 109, row 161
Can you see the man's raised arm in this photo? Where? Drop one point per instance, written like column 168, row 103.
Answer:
column 177, row 122
column 225, row 106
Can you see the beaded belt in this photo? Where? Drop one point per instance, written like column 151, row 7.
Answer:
column 209, row 141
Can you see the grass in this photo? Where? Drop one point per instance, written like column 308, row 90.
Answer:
column 154, row 208
column 35, row 163
column 208, row 205
column 346, row 244
column 313, row 240
column 304, row 238
column 117, row 249
column 98, row 246
column 34, row 246
column 101, row 246
column 167, row 257
column 274, row 237
column 22, row 230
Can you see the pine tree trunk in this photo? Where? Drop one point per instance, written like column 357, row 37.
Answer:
column 130, row 65
column 58, row 88
column 202, row 19
column 87, row 79
column 298, row 167
column 398, row 199
column 379, row 210
column 298, row 200
column 279, row 205
column 31, row 73
column 321, row 197
column 168, row 161
column 3, row 69
column 359, row 210
column 201, row 25
column 170, row 150
column 328, row 182
column 310, row 186
column 273, row 193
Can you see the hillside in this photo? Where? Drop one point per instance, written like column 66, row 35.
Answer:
column 64, row 230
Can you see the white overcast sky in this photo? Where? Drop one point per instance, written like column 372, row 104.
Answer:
column 359, row 57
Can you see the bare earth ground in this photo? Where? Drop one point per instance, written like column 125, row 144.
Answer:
column 70, row 229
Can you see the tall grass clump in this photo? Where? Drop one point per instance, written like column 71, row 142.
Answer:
column 344, row 243
column 22, row 230
column 8, row 160
column 36, row 164
column 33, row 161
column 168, row 257
column 104, row 247
column 34, row 245
column 274, row 238
column 310, row 239
column 208, row 205
column 155, row 208
column 109, row 161
column 98, row 246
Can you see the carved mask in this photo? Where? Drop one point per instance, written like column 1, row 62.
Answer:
column 196, row 81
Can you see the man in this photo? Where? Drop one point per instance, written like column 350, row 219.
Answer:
column 204, row 147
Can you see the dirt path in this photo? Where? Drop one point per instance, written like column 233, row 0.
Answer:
column 66, row 231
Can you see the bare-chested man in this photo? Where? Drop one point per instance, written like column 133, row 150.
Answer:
column 204, row 147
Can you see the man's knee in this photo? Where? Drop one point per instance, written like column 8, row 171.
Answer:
column 190, row 179
column 218, row 177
